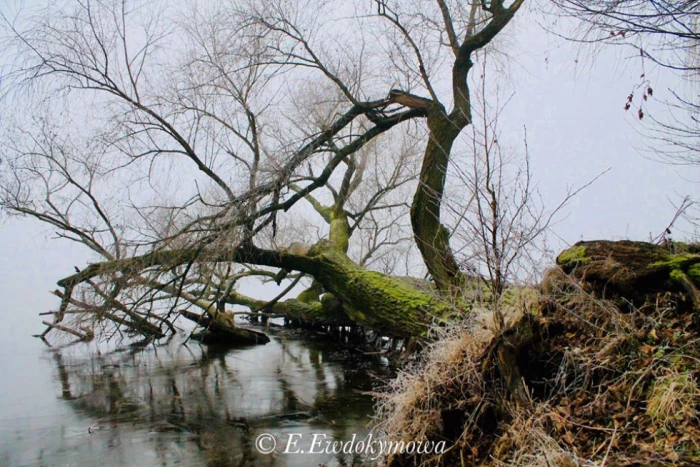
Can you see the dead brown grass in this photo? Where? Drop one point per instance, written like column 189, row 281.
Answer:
column 609, row 384
column 411, row 405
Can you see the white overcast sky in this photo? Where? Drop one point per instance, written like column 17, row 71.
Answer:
column 576, row 129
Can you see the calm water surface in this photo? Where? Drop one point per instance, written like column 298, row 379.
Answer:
column 178, row 404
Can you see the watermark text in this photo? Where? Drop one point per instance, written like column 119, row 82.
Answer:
column 369, row 446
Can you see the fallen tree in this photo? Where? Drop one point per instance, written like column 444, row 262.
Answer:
column 386, row 304
column 221, row 327
column 328, row 163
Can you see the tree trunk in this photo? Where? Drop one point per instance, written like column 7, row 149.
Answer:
column 385, row 304
column 391, row 306
column 634, row 270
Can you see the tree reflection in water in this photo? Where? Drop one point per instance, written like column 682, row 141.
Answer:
column 198, row 405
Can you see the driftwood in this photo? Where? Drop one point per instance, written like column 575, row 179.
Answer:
column 220, row 328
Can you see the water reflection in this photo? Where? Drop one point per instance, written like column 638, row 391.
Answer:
column 198, row 405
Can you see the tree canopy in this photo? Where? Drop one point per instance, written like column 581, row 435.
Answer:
column 193, row 147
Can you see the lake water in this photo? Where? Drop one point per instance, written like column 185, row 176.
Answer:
column 178, row 404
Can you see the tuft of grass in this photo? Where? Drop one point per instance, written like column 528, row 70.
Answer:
column 673, row 398
column 446, row 376
column 527, row 436
column 410, row 406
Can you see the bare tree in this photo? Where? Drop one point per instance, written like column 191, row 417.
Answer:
column 181, row 147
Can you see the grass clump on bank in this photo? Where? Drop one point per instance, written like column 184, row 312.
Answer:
column 589, row 375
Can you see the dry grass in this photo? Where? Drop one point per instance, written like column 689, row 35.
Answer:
column 446, row 376
column 410, row 407
column 532, row 445
column 618, row 386
column 673, row 398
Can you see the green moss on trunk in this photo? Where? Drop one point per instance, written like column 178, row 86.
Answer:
column 383, row 303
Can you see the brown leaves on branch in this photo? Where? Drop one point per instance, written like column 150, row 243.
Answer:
column 646, row 94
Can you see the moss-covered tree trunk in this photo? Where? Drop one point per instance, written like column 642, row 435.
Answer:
column 383, row 303
column 634, row 269
column 349, row 293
